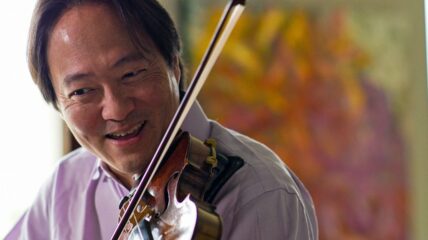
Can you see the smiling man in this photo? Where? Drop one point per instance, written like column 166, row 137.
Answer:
column 112, row 69
column 116, row 99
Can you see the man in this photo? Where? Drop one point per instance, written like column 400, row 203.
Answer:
column 112, row 69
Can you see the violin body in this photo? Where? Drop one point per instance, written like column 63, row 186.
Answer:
column 174, row 206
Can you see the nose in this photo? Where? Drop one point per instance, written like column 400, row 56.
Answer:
column 116, row 105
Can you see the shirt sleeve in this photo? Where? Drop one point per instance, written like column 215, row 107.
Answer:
column 34, row 223
column 273, row 215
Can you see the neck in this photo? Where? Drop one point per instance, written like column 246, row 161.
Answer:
column 127, row 180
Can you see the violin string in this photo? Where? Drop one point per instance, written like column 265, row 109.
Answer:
column 138, row 227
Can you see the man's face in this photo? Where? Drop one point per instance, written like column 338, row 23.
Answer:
column 116, row 100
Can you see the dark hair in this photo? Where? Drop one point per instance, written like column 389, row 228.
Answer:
column 138, row 16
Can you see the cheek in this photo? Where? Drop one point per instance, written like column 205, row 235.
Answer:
column 159, row 95
column 166, row 100
column 84, row 123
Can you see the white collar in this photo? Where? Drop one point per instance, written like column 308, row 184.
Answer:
column 197, row 123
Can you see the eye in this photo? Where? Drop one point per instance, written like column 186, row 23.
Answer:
column 132, row 74
column 80, row 92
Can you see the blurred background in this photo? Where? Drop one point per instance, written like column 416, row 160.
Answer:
column 337, row 89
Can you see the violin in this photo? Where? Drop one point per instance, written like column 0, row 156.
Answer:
column 186, row 174
column 170, row 201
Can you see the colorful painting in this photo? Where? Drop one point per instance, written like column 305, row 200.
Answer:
column 304, row 83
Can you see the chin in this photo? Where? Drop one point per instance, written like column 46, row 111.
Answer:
column 132, row 166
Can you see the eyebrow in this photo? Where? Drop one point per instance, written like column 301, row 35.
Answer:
column 131, row 57
column 128, row 58
column 75, row 77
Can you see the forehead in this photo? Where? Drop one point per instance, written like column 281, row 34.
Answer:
column 91, row 33
column 87, row 21
column 96, row 22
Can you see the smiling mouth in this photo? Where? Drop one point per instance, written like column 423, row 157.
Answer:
column 128, row 134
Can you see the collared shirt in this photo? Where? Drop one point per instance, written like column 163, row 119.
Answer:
column 262, row 200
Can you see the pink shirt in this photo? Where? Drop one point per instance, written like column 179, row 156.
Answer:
column 262, row 200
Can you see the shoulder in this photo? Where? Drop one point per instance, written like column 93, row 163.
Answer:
column 74, row 171
column 263, row 170
column 79, row 159
column 263, row 188
column 51, row 206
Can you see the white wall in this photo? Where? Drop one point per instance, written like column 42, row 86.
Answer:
column 30, row 141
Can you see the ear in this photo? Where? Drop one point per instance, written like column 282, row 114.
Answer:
column 61, row 115
column 58, row 108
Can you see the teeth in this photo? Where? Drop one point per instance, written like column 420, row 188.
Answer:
column 126, row 133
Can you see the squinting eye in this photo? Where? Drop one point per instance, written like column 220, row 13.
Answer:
column 133, row 74
column 80, row 92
